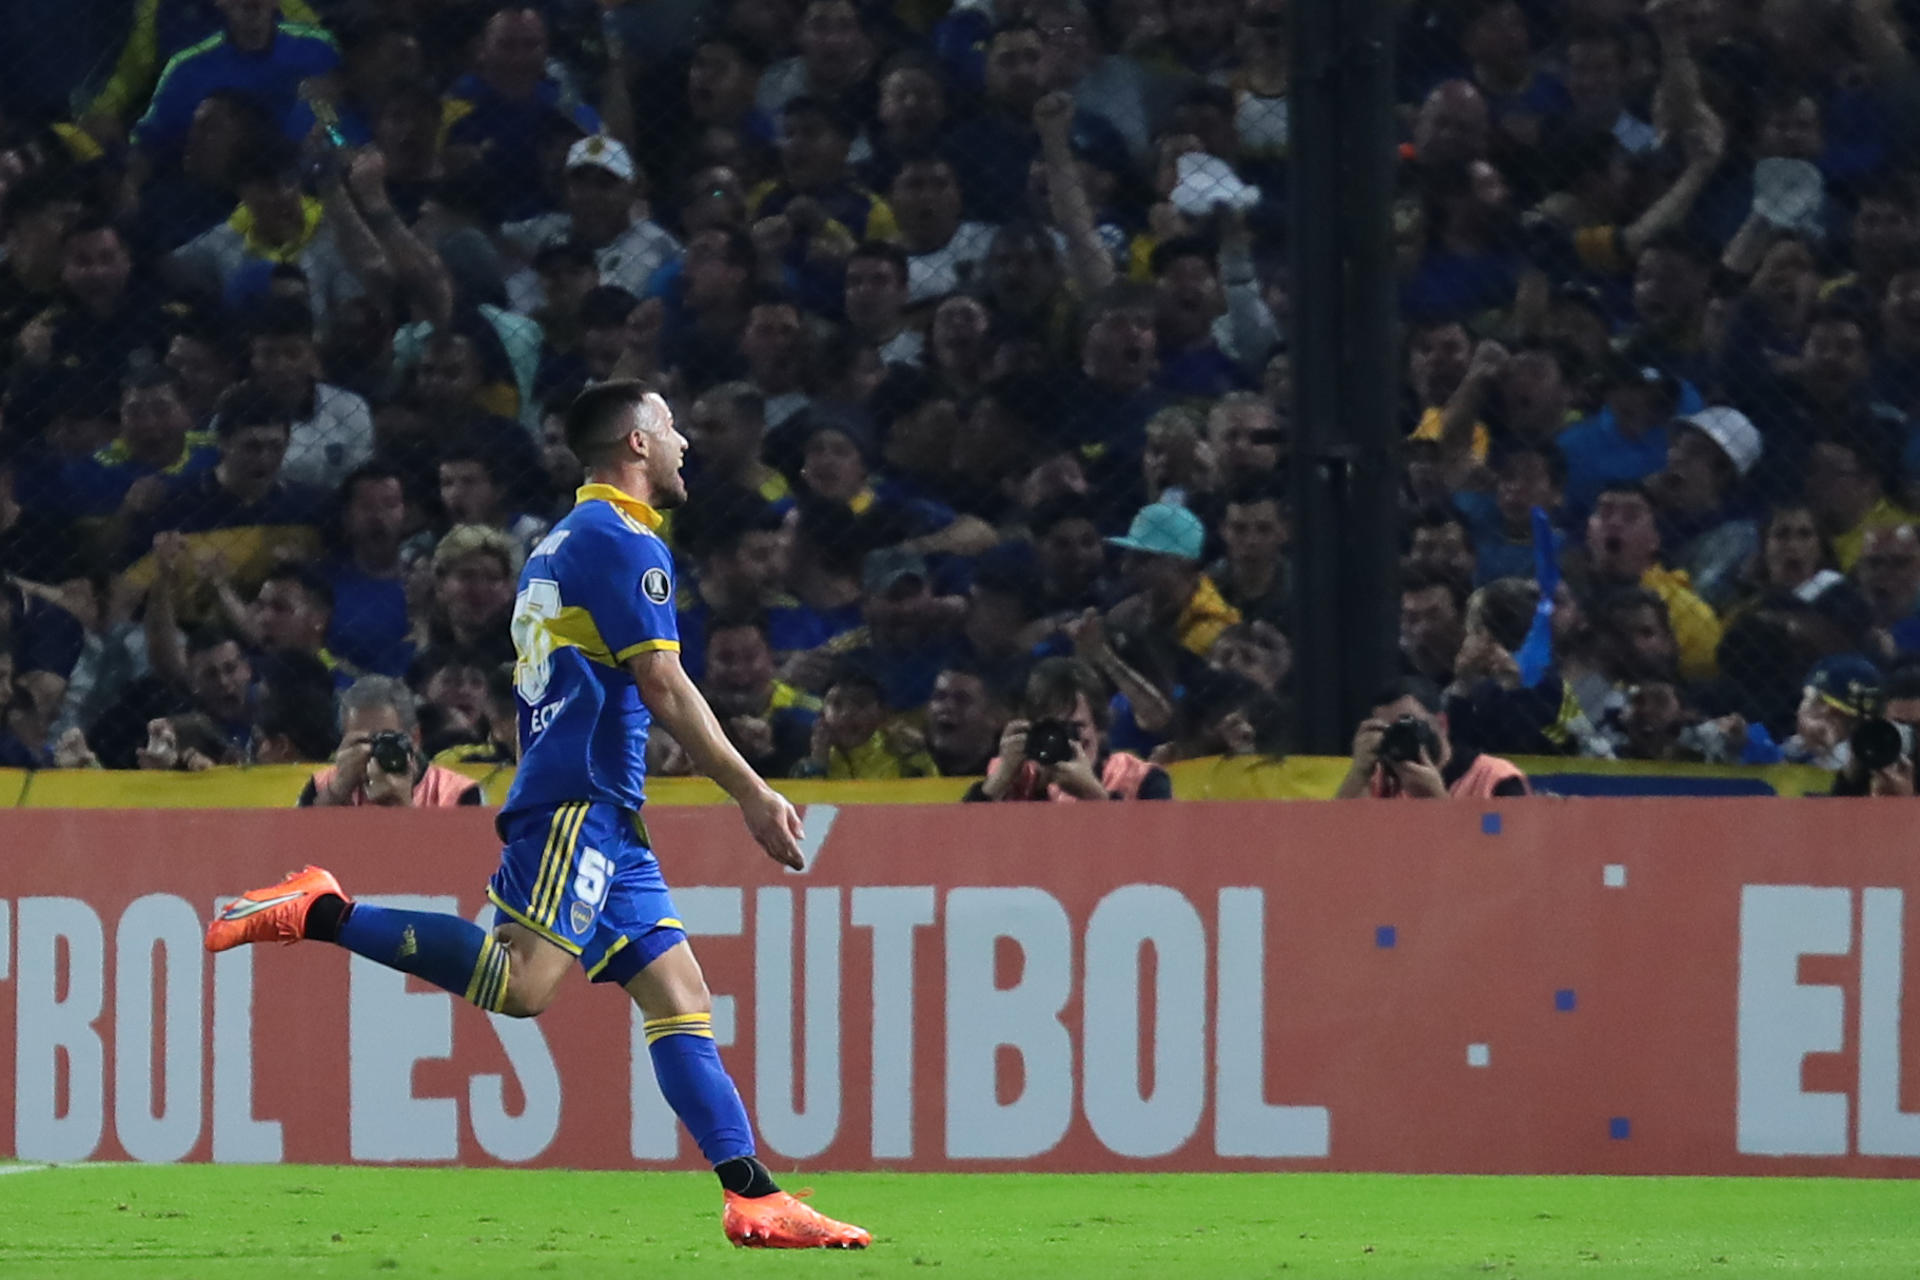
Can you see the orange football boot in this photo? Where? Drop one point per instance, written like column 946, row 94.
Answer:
column 277, row 913
column 781, row 1221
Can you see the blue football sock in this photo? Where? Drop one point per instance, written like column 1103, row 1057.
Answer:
column 445, row 950
column 687, row 1064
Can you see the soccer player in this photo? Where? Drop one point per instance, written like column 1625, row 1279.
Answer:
column 598, row 662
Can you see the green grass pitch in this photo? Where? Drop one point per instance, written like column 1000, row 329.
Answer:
column 208, row 1223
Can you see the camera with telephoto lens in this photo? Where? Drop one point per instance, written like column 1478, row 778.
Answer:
column 1050, row 742
column 392, row 751
column 1879, row 743
column 1403, row 741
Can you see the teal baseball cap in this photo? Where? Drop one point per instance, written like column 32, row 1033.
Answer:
column 1161, row 529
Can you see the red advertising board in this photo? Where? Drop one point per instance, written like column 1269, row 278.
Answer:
column 1615, row 987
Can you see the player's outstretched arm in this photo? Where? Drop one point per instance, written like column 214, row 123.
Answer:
column 674, row 701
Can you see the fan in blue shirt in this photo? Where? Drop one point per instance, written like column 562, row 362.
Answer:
column 255, row 55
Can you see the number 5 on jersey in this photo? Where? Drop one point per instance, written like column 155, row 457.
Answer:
column 590, row 885
column 533, row 644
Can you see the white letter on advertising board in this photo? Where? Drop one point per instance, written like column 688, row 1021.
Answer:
column 1781, row 1020
column 1026, row 1017
column 1885, row 1130
column 1244, row 1123
column 1127, row 920
column 389, row 1028
column 44, row 1026
column 237, row 1137
column 167, row 1132
column 794, row 1130
column 502, row 1135
column 708, row 911
column 893, row 913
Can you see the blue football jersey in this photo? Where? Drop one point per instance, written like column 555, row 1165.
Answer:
column 596, row 591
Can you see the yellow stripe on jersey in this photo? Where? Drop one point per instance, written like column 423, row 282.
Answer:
column 488, row 989
column 525, row 921
column 547, row 906
column 607, row 958
column 549, row 861
column 680, row 1024
column 494, row 997
column 647, row 646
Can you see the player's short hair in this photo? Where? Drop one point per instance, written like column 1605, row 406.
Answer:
column 601, row 416
column 370, row 693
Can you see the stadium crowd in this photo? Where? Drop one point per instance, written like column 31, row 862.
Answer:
column 976, row 317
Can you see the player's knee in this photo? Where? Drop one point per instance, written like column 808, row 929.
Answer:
column 524, row 1000
column 517, row 1006
column 693, row 998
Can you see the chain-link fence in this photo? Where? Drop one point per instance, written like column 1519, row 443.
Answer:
column 976, row 317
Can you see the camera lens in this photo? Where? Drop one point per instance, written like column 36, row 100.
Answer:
column 1878, row 744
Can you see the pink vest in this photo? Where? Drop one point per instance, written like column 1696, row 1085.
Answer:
column 437, row 788
column 1477, row 783
column 1121, row 776
column 1486, row 773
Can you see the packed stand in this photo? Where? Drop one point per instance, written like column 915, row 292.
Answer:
column 976, row 318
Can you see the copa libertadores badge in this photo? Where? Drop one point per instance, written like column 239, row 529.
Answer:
column 654, row 585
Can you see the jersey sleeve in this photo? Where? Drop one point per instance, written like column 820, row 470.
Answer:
column 625, row 583
column 170, row 113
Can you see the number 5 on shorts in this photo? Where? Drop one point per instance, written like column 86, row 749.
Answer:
column 590, row 885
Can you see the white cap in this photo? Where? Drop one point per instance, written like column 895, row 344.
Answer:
column 1731, row 429
column 601, row 152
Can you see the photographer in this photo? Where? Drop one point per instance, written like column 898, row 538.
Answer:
column 1839, row 694
column 379, row 760
column 1059, row 752
column 1402, row 751
column 1882, row 749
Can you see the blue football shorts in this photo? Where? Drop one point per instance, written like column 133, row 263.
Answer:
column 583, row 876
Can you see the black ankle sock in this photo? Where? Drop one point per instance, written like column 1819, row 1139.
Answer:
column 745, row 1176
column 324, row 918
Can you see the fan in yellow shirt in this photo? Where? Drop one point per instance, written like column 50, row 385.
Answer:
column 1623, row 548
column 853, row 739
